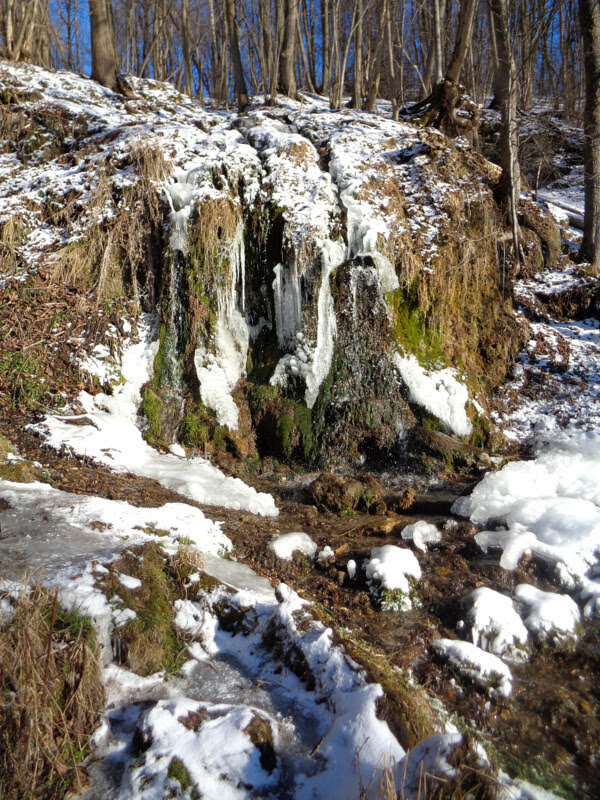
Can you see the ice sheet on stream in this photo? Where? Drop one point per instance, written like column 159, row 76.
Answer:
column 107, row 431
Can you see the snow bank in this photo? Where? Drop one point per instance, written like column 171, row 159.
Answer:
column 438, row 391
column 332, row 721
column 494, row 623
column 215, row 747
column 548, row 615
column 550, row 506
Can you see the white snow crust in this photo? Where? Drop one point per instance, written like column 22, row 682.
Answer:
column 550, row 506
column 494, row 623
column 108, row 432
column 391, row 566
column 438, row 391
column 547, row 615
column 483, row 668
column 287, row 544
column 421, row 534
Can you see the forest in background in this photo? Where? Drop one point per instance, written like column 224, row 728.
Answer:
column 368, row 49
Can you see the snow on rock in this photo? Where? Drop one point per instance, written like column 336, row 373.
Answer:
column 494, row 623
column 484, row 669
column 438, row 391
column 547, row 615
column 391, row 567
column 421, row 534
column 215, row 748
column 108, row 432
column 287, row 544
column 550, row 506
column 129, row 582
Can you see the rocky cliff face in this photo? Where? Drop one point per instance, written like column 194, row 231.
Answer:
column 322, row 282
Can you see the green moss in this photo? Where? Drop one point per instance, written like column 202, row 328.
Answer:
column 219, row 438
column 303, row 421
column 412, row 330
column 285, row 428
column 150, row 642
column 152, row 407
column 166, row 369
column 260, row 396
column 540, row 772
column 178, row 771
column 193, row 432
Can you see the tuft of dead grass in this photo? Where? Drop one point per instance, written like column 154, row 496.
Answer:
column 211, row 235
column 51, row 697
column 12, row 235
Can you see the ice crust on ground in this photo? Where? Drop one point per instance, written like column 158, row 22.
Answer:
column 108, row 432
column 483, row 668
column 438, row 391
column 287, row 544
column 49, row 528
column 494, row 623
column 550, row 506
column 421, row 534
column 391, row 566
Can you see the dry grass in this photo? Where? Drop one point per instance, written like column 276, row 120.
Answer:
column 50, row 697
column 114, row 256
column 12, row 234
column 469, row 780
column 212, row 232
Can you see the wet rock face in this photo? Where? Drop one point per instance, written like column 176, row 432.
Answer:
column 365, row 410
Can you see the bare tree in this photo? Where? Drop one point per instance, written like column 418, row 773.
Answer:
column 241, row 92
column 509, row 188
column 104, row 53
column 287, row 56
column 589, row 13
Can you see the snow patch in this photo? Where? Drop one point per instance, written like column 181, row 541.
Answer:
column 438, row 391
column 484, row 669
column 287, row 544
column 421, row 534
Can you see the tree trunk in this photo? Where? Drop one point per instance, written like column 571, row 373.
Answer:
column 104, row 56
column 589, row 15
column 509, row 188
column 287, row 56
column 357, row 83
column 241, row 92
column 464, row 32
column 187, row 55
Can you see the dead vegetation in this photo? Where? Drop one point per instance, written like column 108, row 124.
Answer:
column 116, row 256
column 50, row 696
column 45, row 329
